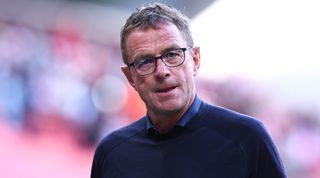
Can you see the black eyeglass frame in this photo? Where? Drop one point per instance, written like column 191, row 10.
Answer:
column 161, row 57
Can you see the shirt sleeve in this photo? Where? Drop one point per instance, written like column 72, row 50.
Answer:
column 266, row 162
column 96, row 168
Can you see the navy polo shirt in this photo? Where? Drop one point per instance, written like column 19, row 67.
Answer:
column 209, row 141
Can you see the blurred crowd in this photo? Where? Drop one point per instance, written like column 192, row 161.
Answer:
column 61, row 83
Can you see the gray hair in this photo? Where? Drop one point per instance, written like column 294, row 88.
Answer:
column 151, row 16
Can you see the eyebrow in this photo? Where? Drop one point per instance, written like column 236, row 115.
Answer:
column 165, row 50
column 169, row 48
column 143, row 56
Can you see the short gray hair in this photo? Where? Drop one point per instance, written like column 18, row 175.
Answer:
column 151, row 16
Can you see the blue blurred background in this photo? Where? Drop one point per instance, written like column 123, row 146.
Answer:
column 61, row 88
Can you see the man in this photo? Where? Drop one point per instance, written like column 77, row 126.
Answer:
column 181, row 135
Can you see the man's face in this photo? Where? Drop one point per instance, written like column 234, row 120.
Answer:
column 167, row 90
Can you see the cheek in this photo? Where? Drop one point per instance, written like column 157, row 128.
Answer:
column 188, row 78
column 188, row 70
column 141, row 86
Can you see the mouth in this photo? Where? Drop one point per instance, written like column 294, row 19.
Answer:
column 165, row 90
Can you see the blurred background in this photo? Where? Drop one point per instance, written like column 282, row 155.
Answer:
column 61, row 88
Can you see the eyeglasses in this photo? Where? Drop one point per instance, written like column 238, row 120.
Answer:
column 171, row 58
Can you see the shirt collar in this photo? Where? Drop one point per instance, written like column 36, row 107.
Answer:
column 186, row 118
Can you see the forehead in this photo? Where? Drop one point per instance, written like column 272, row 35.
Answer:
column 153, row 41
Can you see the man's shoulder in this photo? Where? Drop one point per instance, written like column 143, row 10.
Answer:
column 231, row 122
column 121, row 135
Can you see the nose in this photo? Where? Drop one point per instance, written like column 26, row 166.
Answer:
column 161, row 69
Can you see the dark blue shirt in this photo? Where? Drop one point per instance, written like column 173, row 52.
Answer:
column 215, row 142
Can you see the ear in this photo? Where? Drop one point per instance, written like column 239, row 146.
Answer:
column 127, row 72
column 196, row 60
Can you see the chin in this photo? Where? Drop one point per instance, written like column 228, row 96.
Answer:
column 170, row 106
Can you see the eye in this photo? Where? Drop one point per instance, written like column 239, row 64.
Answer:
column 171, row 55
column 144, row 63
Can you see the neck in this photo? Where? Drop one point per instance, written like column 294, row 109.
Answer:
column 164, row 122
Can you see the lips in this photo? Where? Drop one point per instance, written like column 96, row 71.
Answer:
column 163, row 90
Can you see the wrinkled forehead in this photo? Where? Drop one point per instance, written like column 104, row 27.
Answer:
column 153, row 32
column 154, row 40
